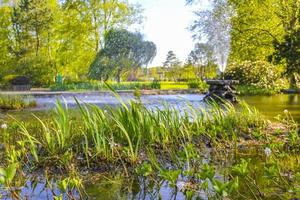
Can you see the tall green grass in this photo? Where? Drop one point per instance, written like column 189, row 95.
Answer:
column 125, row 132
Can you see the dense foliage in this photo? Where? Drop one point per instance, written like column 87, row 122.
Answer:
column 252, row 31
column 123, row 51
column 260, row 74
column 42, row 38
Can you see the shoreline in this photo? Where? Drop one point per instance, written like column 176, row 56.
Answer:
column 143, row 92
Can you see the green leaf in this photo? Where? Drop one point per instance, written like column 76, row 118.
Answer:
column 11, row 172
column 2, row 175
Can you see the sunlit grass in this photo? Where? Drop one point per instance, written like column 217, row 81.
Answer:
column 174, row 85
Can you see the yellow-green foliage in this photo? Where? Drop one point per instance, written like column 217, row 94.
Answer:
column 6, row 79
column 261, row 74
column 173, row 85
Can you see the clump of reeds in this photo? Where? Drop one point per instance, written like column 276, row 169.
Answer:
column 15, row 102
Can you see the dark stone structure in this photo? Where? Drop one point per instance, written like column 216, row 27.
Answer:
column 222, row 89
column 20, row 83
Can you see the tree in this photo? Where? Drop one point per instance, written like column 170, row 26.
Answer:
column 173, row 66
column 288, row 51
column 123, row 50
column 266, row 30
column 255, row 25
column 201, row 57
column 5, row 42
column 171, row 60
column 31, row 23
column 40, row 38
column 111, row 14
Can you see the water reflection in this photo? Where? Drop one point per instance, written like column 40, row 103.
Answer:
column 272, row 106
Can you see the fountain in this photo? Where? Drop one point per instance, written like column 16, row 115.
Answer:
column 222, row 89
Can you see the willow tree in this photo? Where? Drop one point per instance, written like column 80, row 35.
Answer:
column 123, row 51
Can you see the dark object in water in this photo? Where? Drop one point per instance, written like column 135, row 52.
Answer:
column 222, row 89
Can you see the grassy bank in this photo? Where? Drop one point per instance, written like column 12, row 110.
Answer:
column 164, row 145
column 95, row 85
column 253, row 90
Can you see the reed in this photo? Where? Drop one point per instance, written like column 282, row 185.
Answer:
column 124, row 132
column 13, row 102
column 164, row 143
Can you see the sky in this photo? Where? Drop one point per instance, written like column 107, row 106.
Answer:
column 166, row 25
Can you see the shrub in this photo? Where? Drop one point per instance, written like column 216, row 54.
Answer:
column 261, row 74
column 194, row 84
column 198, row 84
column 6, row 80
column 20, row 82
column 155, row 85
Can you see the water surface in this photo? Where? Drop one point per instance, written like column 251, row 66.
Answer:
column 270, row 106
column 117, row 187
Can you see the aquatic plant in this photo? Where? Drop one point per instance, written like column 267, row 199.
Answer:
column 7, row 174
column 13, row 102
column 164, row 144
column 123, row 132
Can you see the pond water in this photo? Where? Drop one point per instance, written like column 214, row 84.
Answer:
column 270, row 106
column 118, row 187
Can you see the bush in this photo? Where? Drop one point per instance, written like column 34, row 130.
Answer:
column 254, row 90
column 15, row 82
column 194, row 84
column 6, row 80
column 198, row 84
column 260, row 74
column 155, row 85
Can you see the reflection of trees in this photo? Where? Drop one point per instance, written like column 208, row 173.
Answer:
column 293, row 99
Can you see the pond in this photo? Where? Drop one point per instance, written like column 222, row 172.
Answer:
column 274, row 105
column 116, row 186
column 270, row 106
